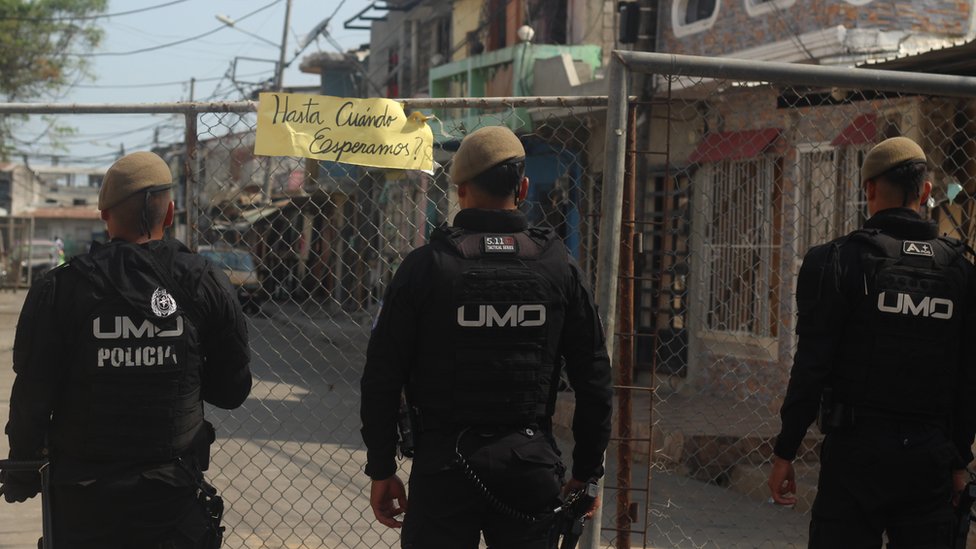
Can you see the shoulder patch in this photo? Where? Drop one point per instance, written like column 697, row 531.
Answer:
column 914, row 247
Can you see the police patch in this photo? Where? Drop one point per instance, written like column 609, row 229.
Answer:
column 913, row 247
column 500, row 244
column 162, row 304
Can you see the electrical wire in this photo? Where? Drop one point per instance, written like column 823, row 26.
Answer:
column 91, row 17
column 175, row 43
column 159, row 84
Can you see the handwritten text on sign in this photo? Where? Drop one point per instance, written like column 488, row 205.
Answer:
column 366, row 132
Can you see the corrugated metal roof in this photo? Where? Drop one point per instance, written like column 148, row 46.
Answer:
column 80, row 212
column 736, row 145
column 957, row 59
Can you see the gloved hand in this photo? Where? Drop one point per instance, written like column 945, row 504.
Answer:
column 19, row 486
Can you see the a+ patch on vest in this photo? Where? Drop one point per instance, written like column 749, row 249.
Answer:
column 499, row 244
column 913, row 247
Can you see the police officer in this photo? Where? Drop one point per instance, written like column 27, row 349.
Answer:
column 477, row 326
column 115, row 354
column 885, row 317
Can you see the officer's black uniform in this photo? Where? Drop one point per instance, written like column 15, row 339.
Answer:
column 885, row 317
column 113, row 364
column 476, row 325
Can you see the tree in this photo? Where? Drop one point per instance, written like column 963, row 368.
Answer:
column 40, row 43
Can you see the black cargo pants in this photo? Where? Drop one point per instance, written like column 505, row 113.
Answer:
column 130, row 513
column 884, row 477
column 446, row 509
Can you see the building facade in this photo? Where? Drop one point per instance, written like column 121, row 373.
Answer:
column 760, row 172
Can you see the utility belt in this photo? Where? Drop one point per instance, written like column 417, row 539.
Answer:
column 427, row 423
column 835, row 416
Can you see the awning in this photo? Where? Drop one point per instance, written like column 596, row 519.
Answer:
column 257, row 214
column 733, row 145
column 864, row 129
column 249, row 217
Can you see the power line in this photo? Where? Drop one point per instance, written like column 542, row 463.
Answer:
column 90, row 17
column 158, row 84
column 177, row 42
column 336, row 11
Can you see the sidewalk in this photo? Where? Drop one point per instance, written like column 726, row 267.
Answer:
column 684, row 512
column 701, row 496
column 708, row 476
column 707, row 482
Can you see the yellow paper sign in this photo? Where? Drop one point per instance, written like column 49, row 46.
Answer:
column 366, row 132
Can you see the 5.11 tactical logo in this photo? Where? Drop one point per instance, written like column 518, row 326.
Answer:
column 500, row 244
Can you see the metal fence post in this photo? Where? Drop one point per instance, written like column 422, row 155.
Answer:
column 608, row 254
column 189, row 163
column 625, row 354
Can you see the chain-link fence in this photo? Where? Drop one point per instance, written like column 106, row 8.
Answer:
column 312, row 246
column 731, row 172
column 309, row 247
column 701, row 197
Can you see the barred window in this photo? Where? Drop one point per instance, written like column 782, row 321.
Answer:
column 831, row 203
column 742, row 246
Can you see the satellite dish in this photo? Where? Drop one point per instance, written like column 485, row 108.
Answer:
column 322, row 27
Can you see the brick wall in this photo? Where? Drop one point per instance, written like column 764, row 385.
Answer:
column 729, row 367
column 734, row 29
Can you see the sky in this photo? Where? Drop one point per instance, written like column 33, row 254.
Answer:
column 163, row 75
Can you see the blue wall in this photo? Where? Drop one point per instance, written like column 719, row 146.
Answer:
column 545, row 165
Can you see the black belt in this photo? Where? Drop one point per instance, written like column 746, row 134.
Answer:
column 428, row 423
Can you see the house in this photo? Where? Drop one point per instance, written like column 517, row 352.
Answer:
column 757, row 173
column 511, row 48
column 48, row 202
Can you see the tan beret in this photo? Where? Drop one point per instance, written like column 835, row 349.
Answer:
column 139, row 171
column 483, row 149
column 888, row 154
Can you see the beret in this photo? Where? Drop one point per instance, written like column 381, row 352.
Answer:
column 139, row 171
column 482, row 149
column 888, row 154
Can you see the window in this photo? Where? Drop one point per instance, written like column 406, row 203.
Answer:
column 691, row 16
column 442, row 44
column 393, row 72
column 548, row 19
column 759, row 7
column 497, row 24
column 830, row 201
column 741, row 246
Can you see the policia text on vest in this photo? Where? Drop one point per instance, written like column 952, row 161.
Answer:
column 146, row 345
column 115, row 354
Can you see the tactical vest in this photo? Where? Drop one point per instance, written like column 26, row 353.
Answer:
column 133, row 387
column 504, row 317
column 901, row 351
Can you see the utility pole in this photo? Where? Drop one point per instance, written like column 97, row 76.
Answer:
column 278, row 86
column 279, row 73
